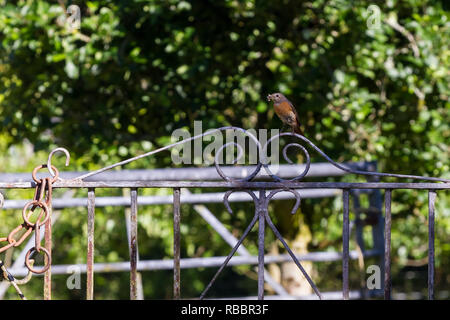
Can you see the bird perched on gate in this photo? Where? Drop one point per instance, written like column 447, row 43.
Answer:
column 285, row 111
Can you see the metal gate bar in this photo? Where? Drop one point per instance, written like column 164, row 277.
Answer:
column 90, row 245
column 133, row 244
column 244, row 184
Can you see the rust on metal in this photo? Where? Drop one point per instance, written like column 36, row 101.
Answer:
column 35, row 170
column 48, row 243
column 133, row 245
column 176, row 243
column 26, row 218
column 43, row 189
column 232, row 185
column 90, row 245
column 49, row 161
column 14, row 282
column 28, row 260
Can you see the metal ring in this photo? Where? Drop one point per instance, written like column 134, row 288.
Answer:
column 35, row 170
column 40, row 204
column 27, row 277
column 30, row 266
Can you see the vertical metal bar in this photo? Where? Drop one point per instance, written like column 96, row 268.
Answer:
column 226, row 235
column 378, row 233
column 90, row 248
column 358, row 226
column 140, row 287
column 176, row 243
column 133, row 245
column 261, row 229
column 345, row 245
column 387, row 244
column 48, row 247
column 431, row 209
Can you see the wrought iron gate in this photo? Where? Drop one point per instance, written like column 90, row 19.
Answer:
column 260, row 191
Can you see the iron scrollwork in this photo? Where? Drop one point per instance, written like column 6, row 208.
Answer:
column 261, row 201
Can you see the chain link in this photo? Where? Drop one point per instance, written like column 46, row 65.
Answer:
column 16, row 282
column 42, row 199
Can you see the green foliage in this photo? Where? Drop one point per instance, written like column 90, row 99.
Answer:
column 137, row 70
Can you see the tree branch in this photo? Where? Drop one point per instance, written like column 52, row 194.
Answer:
column 392, row 22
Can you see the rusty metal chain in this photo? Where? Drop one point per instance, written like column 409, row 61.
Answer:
column 16, row 282
column 42, row 199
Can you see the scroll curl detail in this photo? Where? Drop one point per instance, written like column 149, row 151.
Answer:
column 285, row 148
column 229, row 192
column 294, row 192
column 262, row 159
column 239, row 156
column 334, row 163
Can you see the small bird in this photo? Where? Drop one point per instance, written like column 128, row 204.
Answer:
column 285, row 111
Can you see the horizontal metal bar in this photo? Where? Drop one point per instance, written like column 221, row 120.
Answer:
column 322, row 169
column 230, row 185
column 211, row 197
column 336, row 295
column 207, row 262
column 332, row 295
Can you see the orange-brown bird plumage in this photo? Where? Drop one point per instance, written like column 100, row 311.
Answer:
column 285, row 111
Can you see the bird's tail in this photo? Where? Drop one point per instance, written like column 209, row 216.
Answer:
column 298, row 130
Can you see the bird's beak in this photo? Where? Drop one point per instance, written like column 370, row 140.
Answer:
column 269, row 97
